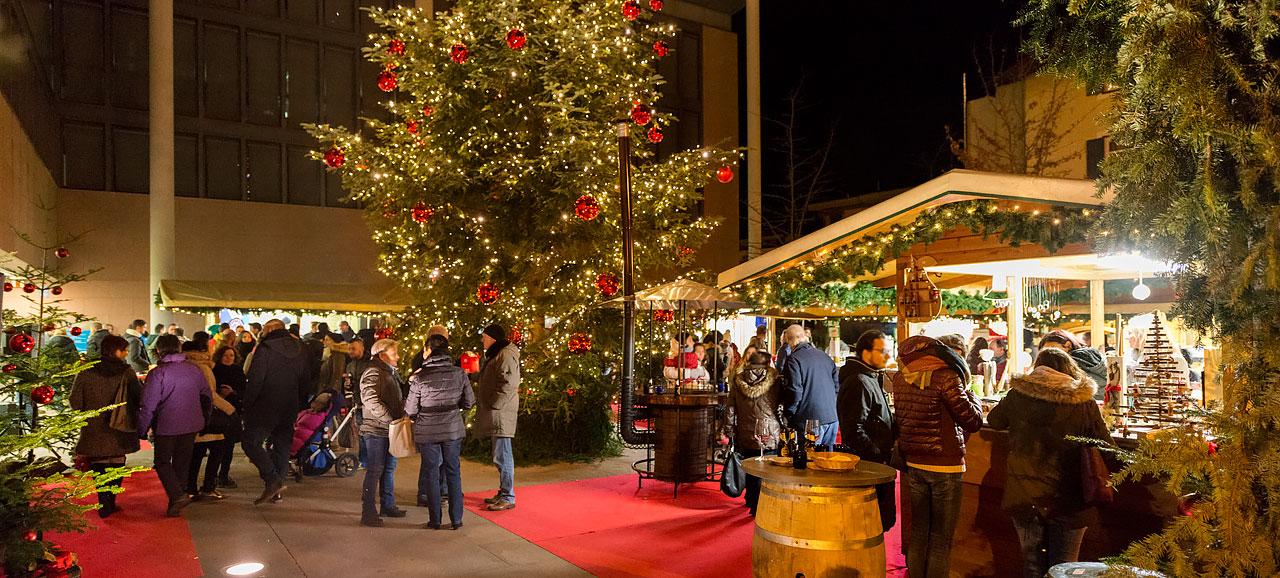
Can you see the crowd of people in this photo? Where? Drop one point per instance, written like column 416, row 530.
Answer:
column 923, row 431
column 265, row 388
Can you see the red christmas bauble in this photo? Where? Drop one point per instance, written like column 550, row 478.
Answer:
column 42, row 394
column 334, row 157
column 661, row 48
column 8, row 286
column 421, row 212
column 586, row 207
column 22, row 343
column 76, row 331
column 516, row 335
column 8, row 367
column 640, row 114
column 62, row 252
column 384, row 333
column 664, row 315
column 631, row 9
column 388, row 211
column 516, row 39
column 684, row 251
column 29, row 288
column 607, row 284
column 396, row 47
column 724, row 174
column 655, row 134
column 487, row 293
column 655, row 5
column 580, row 343
column 427, row 110
column 411, row 126
column 459, row 53
column 56, row 291
column 387, row 81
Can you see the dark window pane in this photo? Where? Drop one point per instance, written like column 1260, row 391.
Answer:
column 129, row 58
column 305, row 177
column 340, row 14
column 222, row 168
column 83, row 165
column 269, row 8
column 1094, row 151
column 263, row 63
column 186, row 166
column 82, row 66
column 302, row 82
column 186, row 69
column 690, row 73
column 340, row 89
column 333, row 192
column 222, row 72
column 303, row 11
column 231, row 4
column 263, row 173
column 129, row 148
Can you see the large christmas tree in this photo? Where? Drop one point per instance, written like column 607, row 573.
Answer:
column 1195, row 183
column 492, row 189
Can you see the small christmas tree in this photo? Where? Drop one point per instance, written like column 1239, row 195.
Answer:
column 38, row 491
column 1159, row 396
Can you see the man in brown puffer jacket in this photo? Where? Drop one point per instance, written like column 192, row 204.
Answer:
column 935, row 413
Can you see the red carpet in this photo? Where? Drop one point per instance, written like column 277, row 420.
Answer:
column 609, row 528
column 138, row 542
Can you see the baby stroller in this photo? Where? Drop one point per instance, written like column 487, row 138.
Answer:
column 315, row 456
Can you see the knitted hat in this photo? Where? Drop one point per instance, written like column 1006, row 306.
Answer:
column 496, row 332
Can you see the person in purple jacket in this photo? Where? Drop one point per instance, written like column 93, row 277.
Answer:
column 176, row 401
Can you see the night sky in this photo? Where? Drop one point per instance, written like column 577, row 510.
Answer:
column 889, row 71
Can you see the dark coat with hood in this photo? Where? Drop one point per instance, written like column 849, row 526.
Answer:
column 437, row 396
column 278, row 381
column 498, row 392
column 934, row 409
column 96, row 388
column 1043, row 474
column 809, row 386
column 1094, row 365
column 866, row 423
column 753, row 403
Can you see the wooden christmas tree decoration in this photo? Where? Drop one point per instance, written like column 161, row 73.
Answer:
column 1159, row 395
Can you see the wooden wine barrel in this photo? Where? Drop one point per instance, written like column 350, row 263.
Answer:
column 820, row 524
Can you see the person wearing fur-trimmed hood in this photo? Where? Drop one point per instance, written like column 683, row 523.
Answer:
column 1043, row 492
column 751, row 412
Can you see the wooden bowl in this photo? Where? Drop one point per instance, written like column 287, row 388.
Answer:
column 834, row 461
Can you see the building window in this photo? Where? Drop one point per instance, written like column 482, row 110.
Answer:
column 306, row 177
column 82, row 64
column 302, row 82
column 186, row 68
column 83, row 156
column 131, row 160
column 1094, row 151
column 262, row 59
column 263, row 173
column 129, row 59
column 221, row 72
column 222, row 168
column 186, row 165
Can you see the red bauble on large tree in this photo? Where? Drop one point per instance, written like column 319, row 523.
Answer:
column 580, row 343
column 487, row 293
column 421, row 212
column 459, row 53
column 640, row 114
column 724, row 174
column 387, row 81
column 631, row 9
column 607, row 284
column 334, row 157
column 516, row 39
column 586, row 207
column 396, row 47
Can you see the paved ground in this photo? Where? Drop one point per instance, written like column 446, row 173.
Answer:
column 315, row 533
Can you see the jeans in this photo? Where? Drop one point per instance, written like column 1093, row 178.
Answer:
column 379, row 477
column 215, row 450
column 751, row 489
column 172, row 456
column 827, row 434
column 443, row 490
column 364, row 450
column 935, row 509
column 506, row 469
column 435, row 458
column 1045, row 545
column 272, row 463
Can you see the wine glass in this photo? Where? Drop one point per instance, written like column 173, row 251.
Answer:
column 811, row 431
column 761, row 435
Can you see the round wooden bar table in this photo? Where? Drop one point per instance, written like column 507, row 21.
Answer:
column 682, row 437
column 818, row 523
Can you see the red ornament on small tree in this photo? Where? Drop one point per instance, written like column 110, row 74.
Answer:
column 387, row 81
column 580, row 343
column 42, row 395
column 640, row 114
column 487, row 293
column 334, row 157
column 631, row 9
column 724, row 174
column 607, row 284
column 76, row 331
column 56, row 291
column 516, row 39
column 421, row 212
column 661, row 47
column 655, row 5
column 396, row 47
column 586, row 207
column 62, row 253
column 22, row 343
column 8, row 367
column 664, row 315
column 8, row 286
column 684, row 251
column 655, row 135
column 29, row 288
column 459, row 53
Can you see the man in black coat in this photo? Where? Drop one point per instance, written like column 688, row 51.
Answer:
column 866, row 424
column 279, row 380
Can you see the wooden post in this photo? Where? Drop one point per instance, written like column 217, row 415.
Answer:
column 1097, row 316
column 1013, row 316
column 900, row 282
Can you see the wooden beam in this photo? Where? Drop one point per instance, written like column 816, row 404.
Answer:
column 962, row 281
column 1097, row 315
column 900, row 280
column 1013, row 316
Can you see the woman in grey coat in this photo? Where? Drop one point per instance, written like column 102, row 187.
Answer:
column 437, row 396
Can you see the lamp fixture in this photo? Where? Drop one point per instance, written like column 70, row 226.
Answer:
column 1141, row 291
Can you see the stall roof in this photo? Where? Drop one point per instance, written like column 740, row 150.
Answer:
column 284, row 296
column 952, row 187
column 671, row 295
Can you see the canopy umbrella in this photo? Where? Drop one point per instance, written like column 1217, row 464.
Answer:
column 681, row 293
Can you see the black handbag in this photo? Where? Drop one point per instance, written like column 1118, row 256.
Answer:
column 733, row 479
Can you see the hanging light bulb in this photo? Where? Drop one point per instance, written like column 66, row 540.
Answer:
column 1141, row 291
